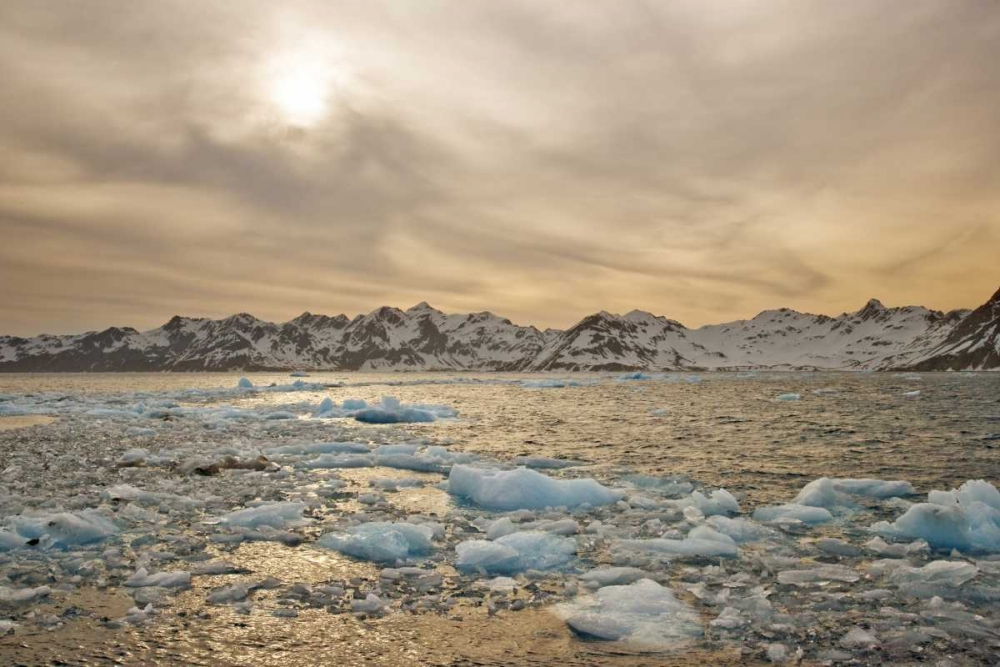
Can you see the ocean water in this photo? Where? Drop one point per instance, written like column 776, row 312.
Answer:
column 715, row 430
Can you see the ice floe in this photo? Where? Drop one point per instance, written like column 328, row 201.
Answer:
column 526, row 489
column 381, row 541
column 643, row 613
column 516, row 552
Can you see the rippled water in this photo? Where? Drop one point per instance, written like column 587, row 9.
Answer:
column 720, row 430
column 724, row 430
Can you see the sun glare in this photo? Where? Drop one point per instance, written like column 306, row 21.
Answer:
column 301, row 93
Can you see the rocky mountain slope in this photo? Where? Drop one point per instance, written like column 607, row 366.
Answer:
column 423, row 338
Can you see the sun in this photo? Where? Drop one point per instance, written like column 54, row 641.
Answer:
column 301, row 92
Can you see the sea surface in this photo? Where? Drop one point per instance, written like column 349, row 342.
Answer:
column 718, row 430
column 722, row 429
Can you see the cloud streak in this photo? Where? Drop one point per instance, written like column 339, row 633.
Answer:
column 542, row 161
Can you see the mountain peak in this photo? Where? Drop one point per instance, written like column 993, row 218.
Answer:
column 420, row 308
column 873, row 308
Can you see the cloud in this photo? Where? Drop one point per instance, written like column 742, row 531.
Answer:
column 541, row 161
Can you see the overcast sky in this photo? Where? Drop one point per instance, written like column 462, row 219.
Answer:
column 543, row 160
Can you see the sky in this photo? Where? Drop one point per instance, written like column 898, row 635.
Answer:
column 542, row 160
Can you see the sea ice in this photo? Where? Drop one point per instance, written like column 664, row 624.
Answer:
column 858, row 638
column 337, row 461
column 16, row 597
column 526, row 489
column 789, row 397
column 612, row 576
column 381, row 541
column 702, row 541
column 644, row 613
column 803, row 513
column 833, row 493
column 372, row 604
column 543, row 462
column 272, row 515
column 741, row 530
column 64, row 529
column 142, row 578
column 244, row 383
column 967, row 518
column 391, row 411
column 516, row 552
column 818, row 574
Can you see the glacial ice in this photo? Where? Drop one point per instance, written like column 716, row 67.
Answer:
column 544, row 462
column 272, row 515
column 554, row 383
column 803, row 513
column 142, row 579
column 643, row 613
column 739, row 529
column 381, row 541
column 836, row 493
column 63, row 530
column 388, row 411
column 718, row 502
column 516, row 552
column 15, row 597
column 967, row 519
column 702, row 541
column 526, row 489
column 789, row 397
column 244, row 383
column 612, row 576
column 818, row 574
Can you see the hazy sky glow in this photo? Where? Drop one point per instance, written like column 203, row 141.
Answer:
column 543, row 160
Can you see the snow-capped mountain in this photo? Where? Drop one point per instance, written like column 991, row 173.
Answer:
column 423, row 338
column 972, row 343
column 385, row 339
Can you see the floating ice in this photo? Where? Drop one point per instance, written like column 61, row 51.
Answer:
column 833, row 493
column 789, row 397
column 228, row 594
column 372, row 604
column 643, row 613
column 858, row 638
column 338, row 461
column 391, row 411
column 516, row 552
column 550, row 383
column 244, row 383
column 272, row 515
column 612, row 576
column 945, row 572
column 967, row 518
column 431, row 459
column 818, row 574
column 912, row 394
column 142, row 579
column 132, row 458
column 702, row 541
column 326, row 406
column 16, row 597
column 397, row 416
column 320, row 448
column 544, row 462
column 803, row 513
column 381, row 541
column 718, row 502
column 63, row 529
column 526, row 489
column 741, row 530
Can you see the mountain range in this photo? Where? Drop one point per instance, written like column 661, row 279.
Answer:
column 423, row 338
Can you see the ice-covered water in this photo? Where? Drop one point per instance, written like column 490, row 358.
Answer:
column 260, row 521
